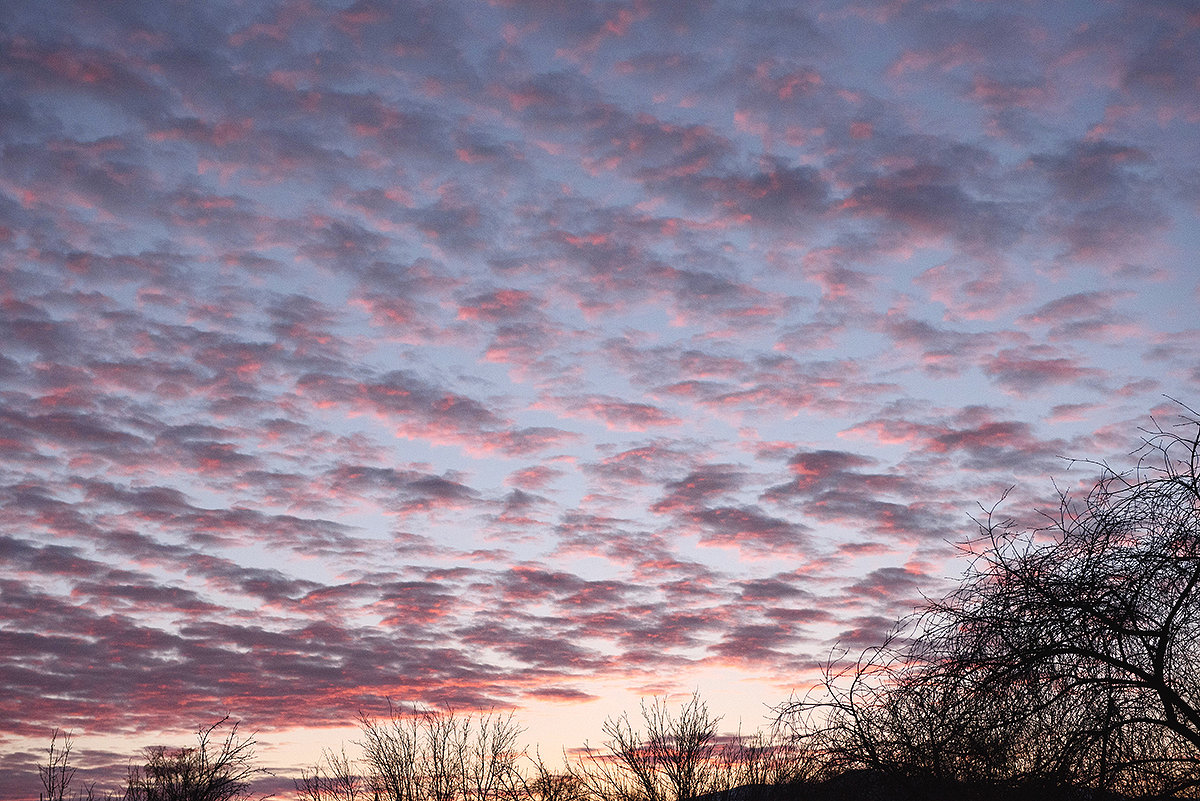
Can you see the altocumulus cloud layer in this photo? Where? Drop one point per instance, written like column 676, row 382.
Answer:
column 494, row 352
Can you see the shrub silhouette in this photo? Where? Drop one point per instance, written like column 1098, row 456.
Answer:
column 215, row 769
column 1067, row 656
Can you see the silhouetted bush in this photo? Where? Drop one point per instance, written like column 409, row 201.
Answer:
column 216, row 769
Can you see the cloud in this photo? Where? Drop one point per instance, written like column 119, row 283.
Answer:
column 1022, row 370
column 831, row 486
column 706, row 483
column 747, row 527
column 1107, row 201
column 617, row 413
column 406, row 490
column 928, row 198
column 973, row 431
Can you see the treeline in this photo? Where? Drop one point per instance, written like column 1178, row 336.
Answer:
column 1065, row 665
column 426, row 755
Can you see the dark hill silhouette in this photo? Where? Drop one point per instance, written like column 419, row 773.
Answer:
column 867, row 785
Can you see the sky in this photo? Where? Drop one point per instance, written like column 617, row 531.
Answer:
column 544, row 355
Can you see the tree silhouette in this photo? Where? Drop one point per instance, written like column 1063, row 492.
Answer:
column 674, row 760
column 429, row 756
column 216, row 769
column 333, row 778
column 1067, row 654
column 682, row 756
column 57, row 774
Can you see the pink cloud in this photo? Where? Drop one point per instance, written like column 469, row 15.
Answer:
column 499, row 305
column 1031, row 369
column 618, row 414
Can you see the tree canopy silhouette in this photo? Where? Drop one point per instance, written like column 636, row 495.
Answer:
column 216, row 769
column 1069, row 654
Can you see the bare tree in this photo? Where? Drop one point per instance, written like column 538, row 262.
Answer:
column 490, row 771
column 547, row 784
column 924, row 728
column 760, row 767
column 674, row 760
column 1103, row 619
column 1068, row 654
column 57, row 774
column 421, row 755
column 216, row 769
column 333, row 778
column 392, row 750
